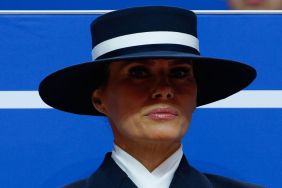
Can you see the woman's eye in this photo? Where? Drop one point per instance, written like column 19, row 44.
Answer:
column 139, row 72
column 180, row 72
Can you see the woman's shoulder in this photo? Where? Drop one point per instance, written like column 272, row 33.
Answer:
column 223, row 182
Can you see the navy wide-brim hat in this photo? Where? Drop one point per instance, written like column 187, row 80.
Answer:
column 141, row 33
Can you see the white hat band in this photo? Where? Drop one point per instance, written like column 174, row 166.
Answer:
column 145, row 38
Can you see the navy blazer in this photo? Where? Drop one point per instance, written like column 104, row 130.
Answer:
column 109, row 175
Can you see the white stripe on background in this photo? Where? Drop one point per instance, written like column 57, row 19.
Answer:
column 20, row 100
column 243, row 99
column 145, row 38
column 250, row 99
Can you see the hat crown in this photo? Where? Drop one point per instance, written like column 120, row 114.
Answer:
column 143, row 19
column 144, row 29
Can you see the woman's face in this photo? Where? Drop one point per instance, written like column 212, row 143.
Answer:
column 148, row 100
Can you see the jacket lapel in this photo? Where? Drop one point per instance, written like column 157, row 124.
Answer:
column 109, row 175
column 188, row 177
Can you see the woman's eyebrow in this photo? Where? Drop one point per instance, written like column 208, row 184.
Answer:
column 189, row 64
column 140, row 62
column 124, row 64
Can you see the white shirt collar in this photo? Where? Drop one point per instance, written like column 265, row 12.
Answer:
column 159, row 177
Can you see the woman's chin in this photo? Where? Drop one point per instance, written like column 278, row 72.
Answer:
column 165, row 130
column 165, row 134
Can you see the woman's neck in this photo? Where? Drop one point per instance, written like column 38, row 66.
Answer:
column 150, row 154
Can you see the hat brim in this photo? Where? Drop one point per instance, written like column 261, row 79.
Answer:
column 70, row 89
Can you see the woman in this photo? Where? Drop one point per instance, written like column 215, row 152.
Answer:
column 147, row 77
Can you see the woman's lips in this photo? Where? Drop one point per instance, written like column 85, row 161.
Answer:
column 162, row 114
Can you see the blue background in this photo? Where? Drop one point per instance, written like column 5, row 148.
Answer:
column 49, row 148
column 107, row 4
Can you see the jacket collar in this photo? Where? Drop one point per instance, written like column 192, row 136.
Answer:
column 110, row 173
column 188, row 177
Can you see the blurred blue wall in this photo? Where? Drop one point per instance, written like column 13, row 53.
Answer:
column 104, row 4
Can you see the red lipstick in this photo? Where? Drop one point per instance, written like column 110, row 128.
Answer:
column 162, row 114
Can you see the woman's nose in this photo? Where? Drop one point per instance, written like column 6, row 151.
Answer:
column 163, row 90
column 163, row 93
